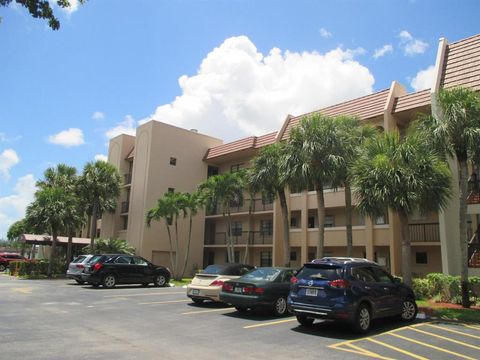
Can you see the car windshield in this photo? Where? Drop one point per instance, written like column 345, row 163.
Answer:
column 79, row 259
column 213, row 269
column 267, row 274
column 320, row 272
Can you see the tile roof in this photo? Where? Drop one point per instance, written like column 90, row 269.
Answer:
column 411, row 101
column 365, row 107
column 462, row 64
column 251, row 142
column 33, row 238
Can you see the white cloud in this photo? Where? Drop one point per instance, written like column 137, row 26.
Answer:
column 127, row 126
column 410, row 45
column 67, row 138
column 385, row 49
column 98, row 115
column 238, row 91
column 101, row 157
column 5, row 138
column 8, row 158
column 12, row 207
column 325, row 33
column 72, row 8
column 424, row 79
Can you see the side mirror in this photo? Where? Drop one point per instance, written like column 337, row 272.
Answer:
column 397, row 280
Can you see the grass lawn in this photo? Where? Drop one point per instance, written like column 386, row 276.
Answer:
column 449, row 311
column 180, row 283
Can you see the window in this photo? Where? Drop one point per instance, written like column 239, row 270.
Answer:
column 421, row 257
column 364, row 274
column 267, row 199
column 266, row 227
column 381, row 275
column 171, row 190
column 311, row 256
column 125, row 223
column 265, row 258
column 311, row 222
column 381, row 220
column 123, row 260
column 237, row 228
column 212, row 170
column 329, row 221
column 211, row 258
column 294, row 222
column 236, row 167
column 236, row 256
column 293, row 256
column 173, row 161
column 140, row 261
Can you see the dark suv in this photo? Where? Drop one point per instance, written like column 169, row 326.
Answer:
column 351, row 290
column 110, row 270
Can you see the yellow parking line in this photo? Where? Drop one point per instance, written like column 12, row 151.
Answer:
column 397, row 349
column 162, row 302
column 366, row 352
column 23, row 290
column 455, row 331
column 147, row 294
column 270, row 323
column 205, row 311
column 445, row 338
column 432, row 346
column 472, row 326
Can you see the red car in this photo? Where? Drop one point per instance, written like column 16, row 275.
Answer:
column 6, row 258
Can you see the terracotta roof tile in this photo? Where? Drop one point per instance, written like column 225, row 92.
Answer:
column 364, row 107
column 411, row 101
column 251, row 142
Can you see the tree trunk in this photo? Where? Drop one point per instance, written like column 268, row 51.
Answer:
column 250, row 211
column 348, row 218
column 406, row 250
column 69, row 247
column 93, row 229
column 286, row 227
column 187, row 250
column 170, row 250
column 52, row 254
column 230, row 252
column 321, row 219
column 176, row 251
column 463, row 182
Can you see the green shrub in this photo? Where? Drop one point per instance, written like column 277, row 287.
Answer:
column 422, row 288
column 37, row 268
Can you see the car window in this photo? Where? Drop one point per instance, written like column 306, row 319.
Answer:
column 79, row 259
column 324, row 272
column 381, row 275
column 287, row 276
column 267, row 274
column 94, row 259
column 123, row 260
column 364, row 274
column 140, row 261
column 213, row 269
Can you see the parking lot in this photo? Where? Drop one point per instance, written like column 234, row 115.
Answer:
column 58, row 319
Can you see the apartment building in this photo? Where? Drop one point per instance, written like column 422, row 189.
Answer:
column 257, row 224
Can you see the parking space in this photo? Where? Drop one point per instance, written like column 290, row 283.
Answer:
column 61, row 320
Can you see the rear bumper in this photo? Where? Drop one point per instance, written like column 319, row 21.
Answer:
column 247, row 301
column 91, row 278
column 337, row 312
column 74, row 276
column 204, row 292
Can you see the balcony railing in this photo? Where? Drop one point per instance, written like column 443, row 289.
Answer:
column 473, row 196
column 125, row 206
column 252, row 237
column 244, row 206
column 474, row 255
column 428, row 232
column 127, row 179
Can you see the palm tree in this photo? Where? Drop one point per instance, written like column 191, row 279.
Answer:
column 456, row 130
column 100, row 188
column 313, row 157
column 405, row 175
column 352, row 134
column 265, row 176
column 189, row 204
column 223, row 190
column 112, row 246
column 168, row 208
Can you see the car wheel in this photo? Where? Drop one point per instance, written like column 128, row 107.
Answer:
column 80, row 282
column 363, row 319
column 160, row 280
column 241, row 309
column 3, row 267
column 109, row 281
column 280, row 307
column 305, row 321
column 409, row 310
column 197, row 301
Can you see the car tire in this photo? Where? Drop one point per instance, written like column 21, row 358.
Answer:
column 109, row 281
column 409, row 310
column 3, row 267
column 80, row 282
column 363, row 319
column 241, row 309
column 160, row 280
column 280, row 307
column 197, row 301
column 305, row 321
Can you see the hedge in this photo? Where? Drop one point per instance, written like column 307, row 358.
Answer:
column 37, row 268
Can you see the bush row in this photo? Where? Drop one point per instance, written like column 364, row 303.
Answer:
column 36, row 268
column 445, row 288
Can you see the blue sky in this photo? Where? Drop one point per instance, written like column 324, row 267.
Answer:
column 228, row 68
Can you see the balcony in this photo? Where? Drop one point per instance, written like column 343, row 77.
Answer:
column 428, row 232
column 474, row 255
column 127, row 179
column 257, row 205
column 250, row 237
column 124, row 207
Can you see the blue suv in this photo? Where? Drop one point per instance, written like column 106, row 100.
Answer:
column 349, row 289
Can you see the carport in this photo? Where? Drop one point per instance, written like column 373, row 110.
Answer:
column 41, row 244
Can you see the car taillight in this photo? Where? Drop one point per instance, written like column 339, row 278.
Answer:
column 293, row 280
column 227, row 287
column 259, row 291
column 97, row 266
column 80, row 266
column 253, row 290
column 217, row 283
column 339, row 284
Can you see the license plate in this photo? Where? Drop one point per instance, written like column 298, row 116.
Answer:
column 238, row 290
column 311, row 292
column 195, row 291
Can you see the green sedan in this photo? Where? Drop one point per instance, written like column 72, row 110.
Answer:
column 265, row 287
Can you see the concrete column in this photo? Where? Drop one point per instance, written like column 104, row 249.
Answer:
column 369, row 238
column 304, row 227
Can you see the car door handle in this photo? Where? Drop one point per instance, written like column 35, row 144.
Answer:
column 386, row 288
column 367, row 287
